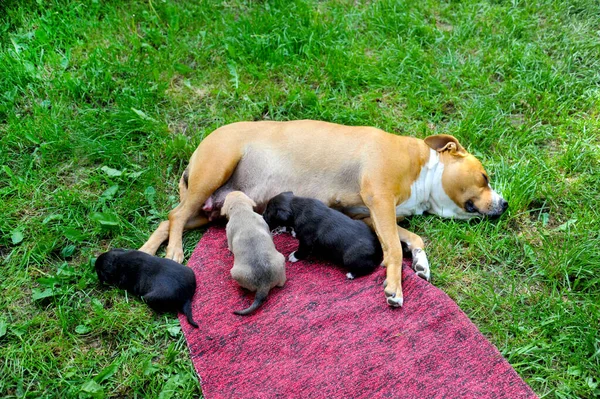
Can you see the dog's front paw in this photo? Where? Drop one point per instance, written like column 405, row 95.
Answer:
column 350, row 276
column 421, row 264
column 393, row 293
column 292, row 258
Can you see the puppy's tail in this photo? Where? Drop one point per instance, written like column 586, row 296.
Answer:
column 261, row 296
column 187, row 311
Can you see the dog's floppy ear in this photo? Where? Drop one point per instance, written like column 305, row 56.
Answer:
column 278, row 209
column 445, row 142
column 223, row 211
column 284, row 214
column 284, row 207
column 105, row 267
column 226, row 205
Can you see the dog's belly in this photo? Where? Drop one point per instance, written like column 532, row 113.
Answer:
column 262, row 174
column 407, row 208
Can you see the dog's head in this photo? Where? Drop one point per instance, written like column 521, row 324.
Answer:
column 236, row 198
column 465, row 189
column 279, row 210
column 107, row 267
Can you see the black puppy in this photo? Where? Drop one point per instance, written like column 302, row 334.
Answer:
column 325, row 233
column 164, row 285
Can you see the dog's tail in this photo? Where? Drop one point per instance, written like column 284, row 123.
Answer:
column 187, row 311
column 261, row 296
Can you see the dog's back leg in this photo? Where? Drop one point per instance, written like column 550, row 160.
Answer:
column 359, row 263
column 162, row 233
column 183, row 184
column 165, row 300
column 211, row 165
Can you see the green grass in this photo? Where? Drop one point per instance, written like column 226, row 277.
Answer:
column 103, row 102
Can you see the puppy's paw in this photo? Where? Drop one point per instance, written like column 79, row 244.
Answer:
column 350, row 276
column 292, row 258
column 293, row 232
column 278, row 230
column 421, row 264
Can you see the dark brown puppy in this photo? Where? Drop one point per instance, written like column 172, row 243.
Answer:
column 164, row 285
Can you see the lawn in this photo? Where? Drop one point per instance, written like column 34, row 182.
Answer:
column 103, row 102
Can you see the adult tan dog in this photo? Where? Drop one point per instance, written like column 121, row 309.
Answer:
column 363, row 171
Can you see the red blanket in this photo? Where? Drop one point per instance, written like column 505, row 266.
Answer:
column 324, row 336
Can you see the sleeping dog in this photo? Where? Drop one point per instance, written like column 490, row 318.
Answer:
column 257, row 265
column 362, row 171
column 164, row 285
column 326, row 233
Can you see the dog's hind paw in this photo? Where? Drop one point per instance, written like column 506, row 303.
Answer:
column 350, row 276
column 421, row 264
column 175, row 254
column 147, row 250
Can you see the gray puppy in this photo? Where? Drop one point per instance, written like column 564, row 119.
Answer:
column 257, row 265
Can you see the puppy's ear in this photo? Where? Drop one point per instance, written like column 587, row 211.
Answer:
column 284, row 214
column 104, row 266
column 226, row 206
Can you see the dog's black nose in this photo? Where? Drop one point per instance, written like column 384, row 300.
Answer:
column 504, row 205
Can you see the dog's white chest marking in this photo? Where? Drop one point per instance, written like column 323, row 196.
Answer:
column 420, row 190
column 427, row 193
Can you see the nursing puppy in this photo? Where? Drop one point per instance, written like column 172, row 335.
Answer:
column 326, row 233
column 164, row 285
column 257, row 265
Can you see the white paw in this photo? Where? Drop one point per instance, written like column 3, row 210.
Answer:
column 293, row 232
column 292, row 258
column 395, row 302
column 278, row 230
column 350, row 276
column 421, row 264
